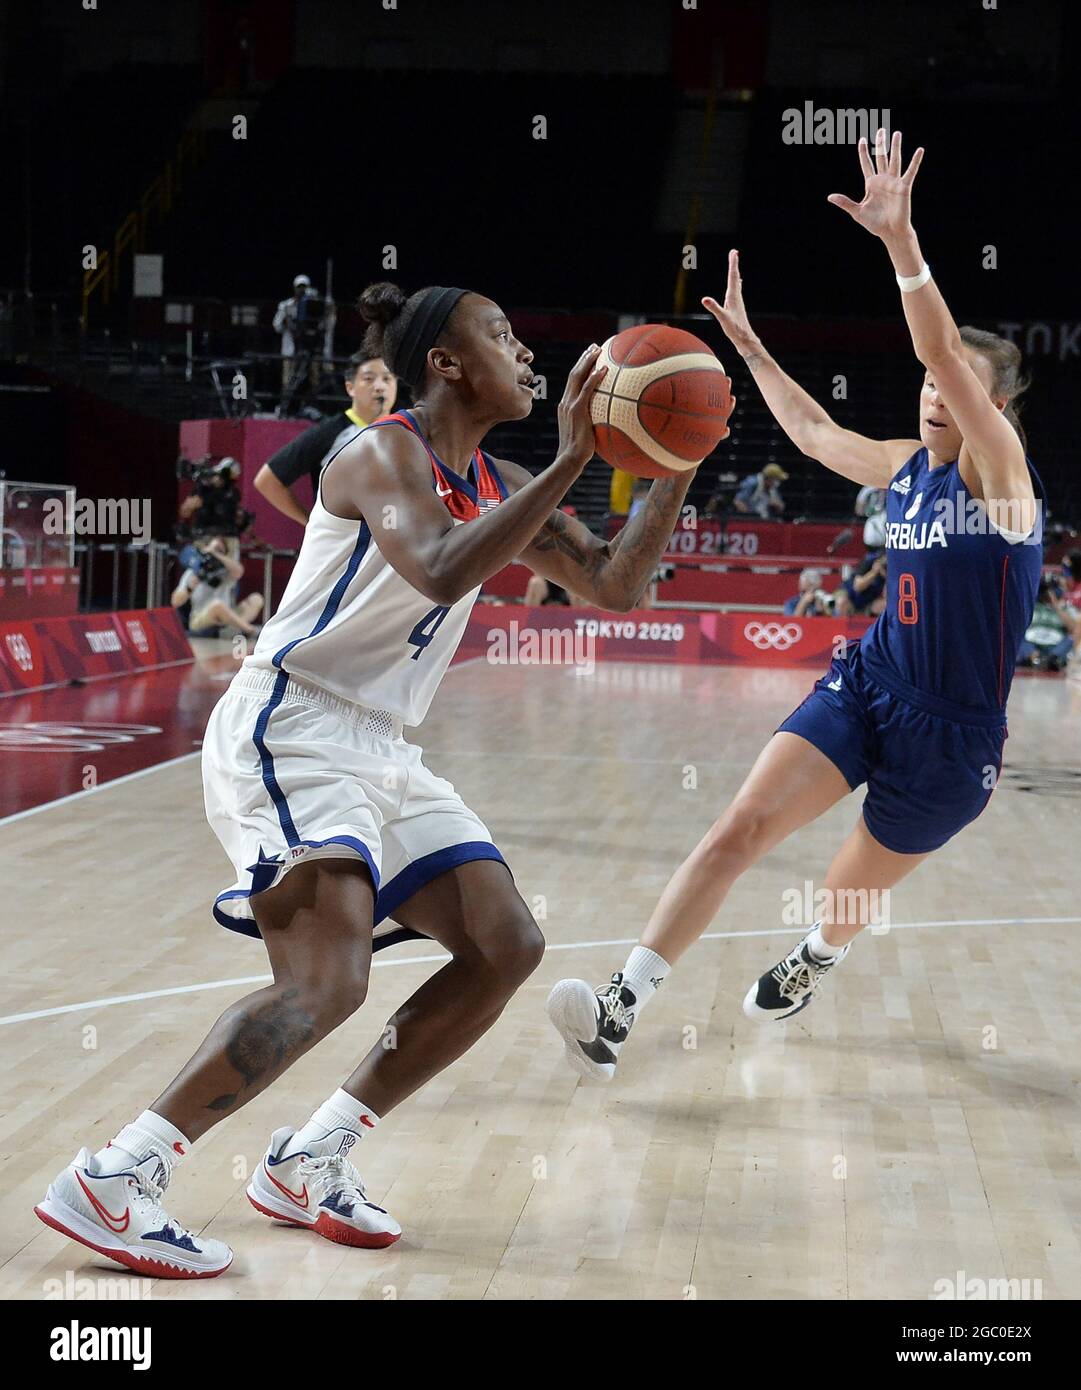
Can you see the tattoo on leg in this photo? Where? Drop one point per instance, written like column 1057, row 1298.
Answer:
column 263, row 1040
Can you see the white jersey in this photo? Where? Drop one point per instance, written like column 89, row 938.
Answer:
column 349, row 623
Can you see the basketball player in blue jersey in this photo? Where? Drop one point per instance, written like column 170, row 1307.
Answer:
column 341, row 839
column 917, row 711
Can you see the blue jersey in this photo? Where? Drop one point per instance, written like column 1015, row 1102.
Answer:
column 959, row 595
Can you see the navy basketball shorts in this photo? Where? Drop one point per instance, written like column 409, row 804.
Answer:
column 928, row 774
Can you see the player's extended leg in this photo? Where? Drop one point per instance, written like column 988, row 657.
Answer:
column 791, row 784
column 317, row 925
column 317, row 928
column 861, row 872
column 475, row 912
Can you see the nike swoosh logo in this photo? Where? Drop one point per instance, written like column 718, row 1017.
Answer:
column 114, row 1223
column 443, row 491
column 300, row 1198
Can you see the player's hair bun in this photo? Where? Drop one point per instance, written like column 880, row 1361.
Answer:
column 381, row 303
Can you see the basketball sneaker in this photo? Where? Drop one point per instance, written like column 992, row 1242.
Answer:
column 790, row 985
column 594, row 1024
column 120, row 1215
column 321, row 1192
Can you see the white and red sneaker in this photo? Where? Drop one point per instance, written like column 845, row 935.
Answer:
column 321, row 1192
column 120, row 1216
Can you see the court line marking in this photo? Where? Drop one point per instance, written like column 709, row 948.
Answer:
column 554, row 946
column 101, row 787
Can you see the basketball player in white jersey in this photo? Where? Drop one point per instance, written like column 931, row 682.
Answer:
column 332, row 821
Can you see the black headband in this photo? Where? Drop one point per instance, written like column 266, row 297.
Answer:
column 424, row 326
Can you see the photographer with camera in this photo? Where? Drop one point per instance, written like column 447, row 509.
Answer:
column 372, row 389
column 207, row 583
column 213, row 509
column 812, row 601
column 211, row 522
column 295, row 318
column 864, row 594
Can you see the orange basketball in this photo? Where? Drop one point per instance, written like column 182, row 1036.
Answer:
column 663, row 404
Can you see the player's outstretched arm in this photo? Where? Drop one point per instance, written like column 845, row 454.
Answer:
column 886, row 212
column 810, row 428
column 611, row 574
column 385, row 477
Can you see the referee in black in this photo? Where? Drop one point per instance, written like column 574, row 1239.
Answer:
column 372, row 390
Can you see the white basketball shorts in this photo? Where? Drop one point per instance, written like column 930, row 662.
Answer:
column 292, row 773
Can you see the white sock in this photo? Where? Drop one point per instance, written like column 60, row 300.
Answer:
column 341, row 1111
column 644, row 973
column 149, row 1133
column 819, row 947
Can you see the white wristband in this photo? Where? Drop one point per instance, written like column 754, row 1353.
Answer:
column 908, row 283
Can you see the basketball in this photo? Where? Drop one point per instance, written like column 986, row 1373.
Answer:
column 663, row 404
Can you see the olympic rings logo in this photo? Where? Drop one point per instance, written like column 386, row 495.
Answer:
column 776, row 635
column 20, row 651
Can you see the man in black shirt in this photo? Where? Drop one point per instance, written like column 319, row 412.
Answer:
column 372, row 391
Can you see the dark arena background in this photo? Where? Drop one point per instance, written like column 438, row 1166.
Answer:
column 169, row 171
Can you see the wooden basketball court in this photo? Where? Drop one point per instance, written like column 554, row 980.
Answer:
column 918, row 1124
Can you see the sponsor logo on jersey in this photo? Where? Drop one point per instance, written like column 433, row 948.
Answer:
column 902, row 485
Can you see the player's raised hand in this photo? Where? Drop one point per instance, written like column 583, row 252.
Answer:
column 886, row 208
column 576, row 442
column 732, row 315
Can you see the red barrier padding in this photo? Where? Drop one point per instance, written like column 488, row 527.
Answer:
column 46, row 592
column 750, row 537
column 39, row 652
column 518, row 636
column 760, row 579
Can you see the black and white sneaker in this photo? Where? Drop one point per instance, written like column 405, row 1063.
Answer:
column 592, row 1023
column 789, row 986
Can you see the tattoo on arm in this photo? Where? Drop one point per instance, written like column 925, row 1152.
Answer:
column 558, row 533
column 615, row 573
column 636, row 551
column 754, row 361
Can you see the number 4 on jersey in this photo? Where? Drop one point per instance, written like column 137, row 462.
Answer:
column 426, row 629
